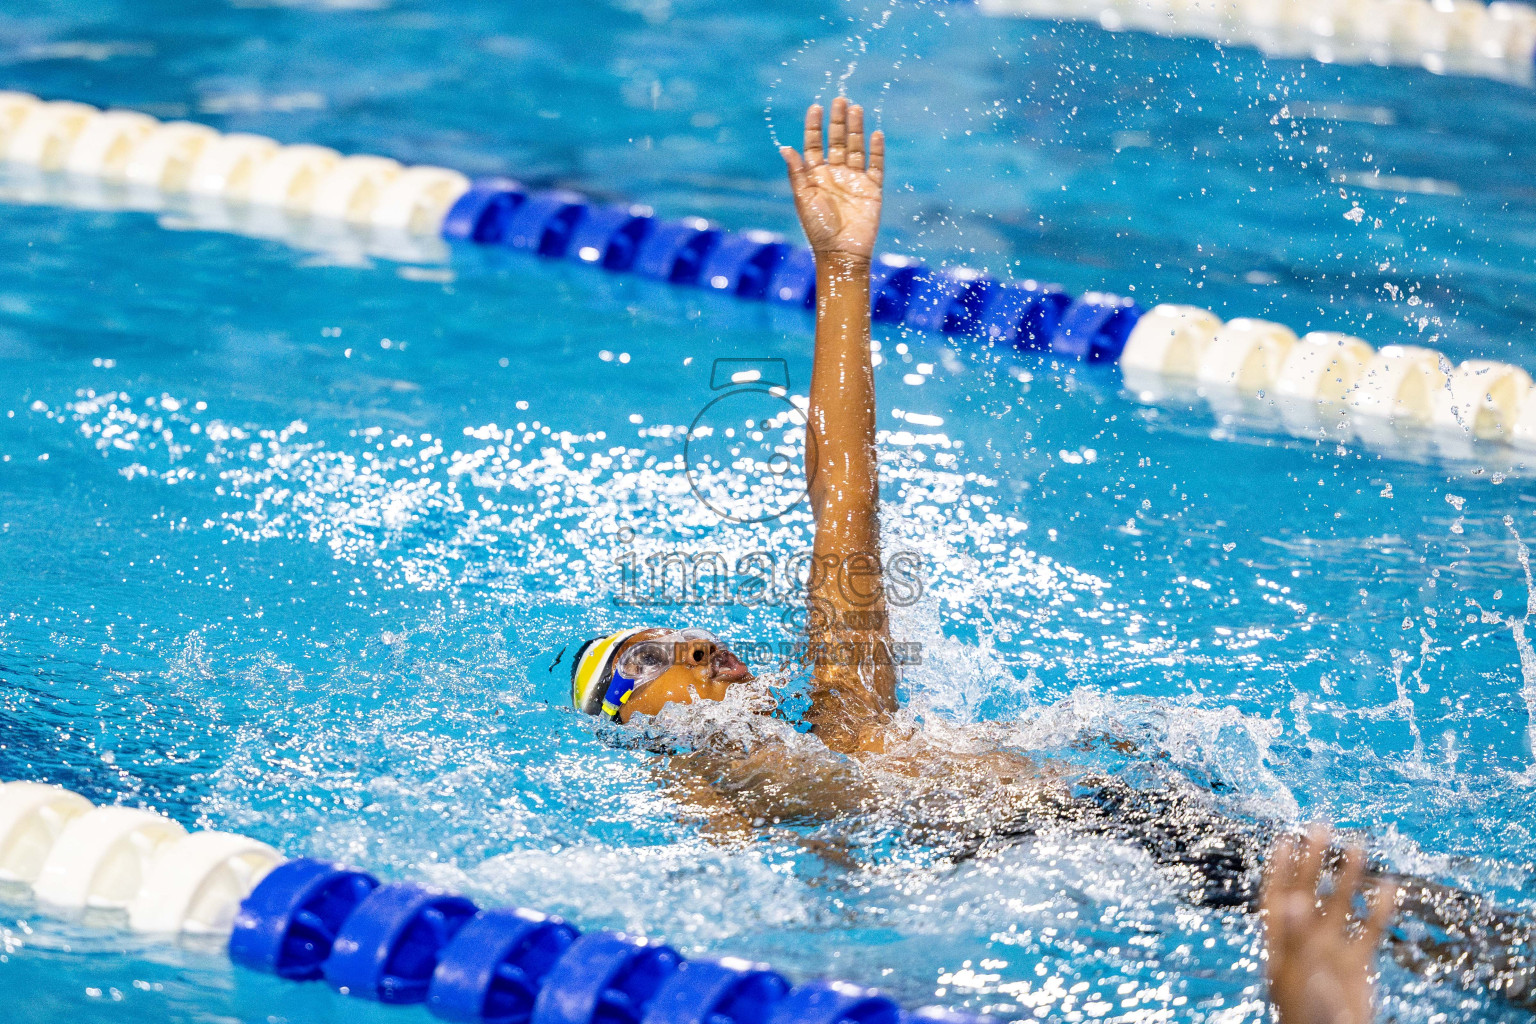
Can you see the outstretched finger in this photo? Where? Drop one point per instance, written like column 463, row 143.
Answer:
column 1280, row 871
column 1277, row 887
column 837, row 132
column 856, row 137
column 1290, row 877
column 1346, row 882
column 798, row 179
column 1309, row 859
column 814, row 156
column 877, row 157
column 1383, row 903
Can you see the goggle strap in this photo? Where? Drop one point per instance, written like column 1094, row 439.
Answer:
column 618, row 694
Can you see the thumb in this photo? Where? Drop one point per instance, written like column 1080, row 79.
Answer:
column 798, row 180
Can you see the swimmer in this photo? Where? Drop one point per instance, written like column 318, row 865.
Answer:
column 955, row 793
column 837, row 185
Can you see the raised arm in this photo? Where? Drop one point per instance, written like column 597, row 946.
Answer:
column 837, row 186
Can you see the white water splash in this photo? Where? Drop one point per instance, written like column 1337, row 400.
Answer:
column 1517, row 629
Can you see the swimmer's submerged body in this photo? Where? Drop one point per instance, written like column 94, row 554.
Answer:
column 959, row 799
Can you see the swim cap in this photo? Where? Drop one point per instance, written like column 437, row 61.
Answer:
column 590, row 674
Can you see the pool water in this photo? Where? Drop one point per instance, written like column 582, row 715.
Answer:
column 289, row 543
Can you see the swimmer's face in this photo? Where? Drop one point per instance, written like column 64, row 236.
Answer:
column 701, row 670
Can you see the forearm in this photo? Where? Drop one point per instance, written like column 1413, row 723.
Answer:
column 719, row 819
column 855, row 683
column 841, row 466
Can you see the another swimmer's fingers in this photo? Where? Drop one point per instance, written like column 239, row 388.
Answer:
column 1346, row 882
column 1274, row 866
column 1287, row 900
column 1287, row 860
column 1309, row 863
column 1277, row 883
column 856, row 137
column 877, row 157
column 837, row 132
column 1382, row 900
column 813, row 154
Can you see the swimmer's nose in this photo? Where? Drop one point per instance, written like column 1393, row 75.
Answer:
column 728, row 668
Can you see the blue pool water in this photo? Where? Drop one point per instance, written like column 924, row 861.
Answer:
column 288, row 543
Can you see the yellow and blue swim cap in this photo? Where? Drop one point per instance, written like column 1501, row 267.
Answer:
column 591, row 675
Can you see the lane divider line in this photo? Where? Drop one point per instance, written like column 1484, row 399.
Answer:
column 256, row 185
column 1329, row 384
column 1493, row 40
column 250, row 174
column 309, row 920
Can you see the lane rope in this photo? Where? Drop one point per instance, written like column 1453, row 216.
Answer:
column 1467, row 37
column 1325, row 383
column 306, row 920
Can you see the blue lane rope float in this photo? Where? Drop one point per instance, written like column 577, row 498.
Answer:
column 135, row 151
column 605, row 977
column 388, row 947
column 404, row 944
column 1327, row 383
column 761, row 266
column 289, row 922
column 706, row 992
column 311, row 920
column 495, row 967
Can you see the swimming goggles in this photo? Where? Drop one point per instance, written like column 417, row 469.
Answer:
column 636, row 665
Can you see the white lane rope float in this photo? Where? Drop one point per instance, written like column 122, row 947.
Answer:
column 1330, row 385
column 1493, row 40
column 307, row 920
column 202, row 179
column 76, row 855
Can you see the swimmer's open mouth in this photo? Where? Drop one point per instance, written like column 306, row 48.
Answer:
column 727, row 668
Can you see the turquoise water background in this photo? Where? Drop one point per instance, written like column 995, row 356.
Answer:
column 288, row 541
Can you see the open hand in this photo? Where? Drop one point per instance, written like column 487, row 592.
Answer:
column 837, row 189
column 1319, row 960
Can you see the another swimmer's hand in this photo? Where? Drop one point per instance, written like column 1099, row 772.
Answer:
column 837, row 190
column 1320, row 959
